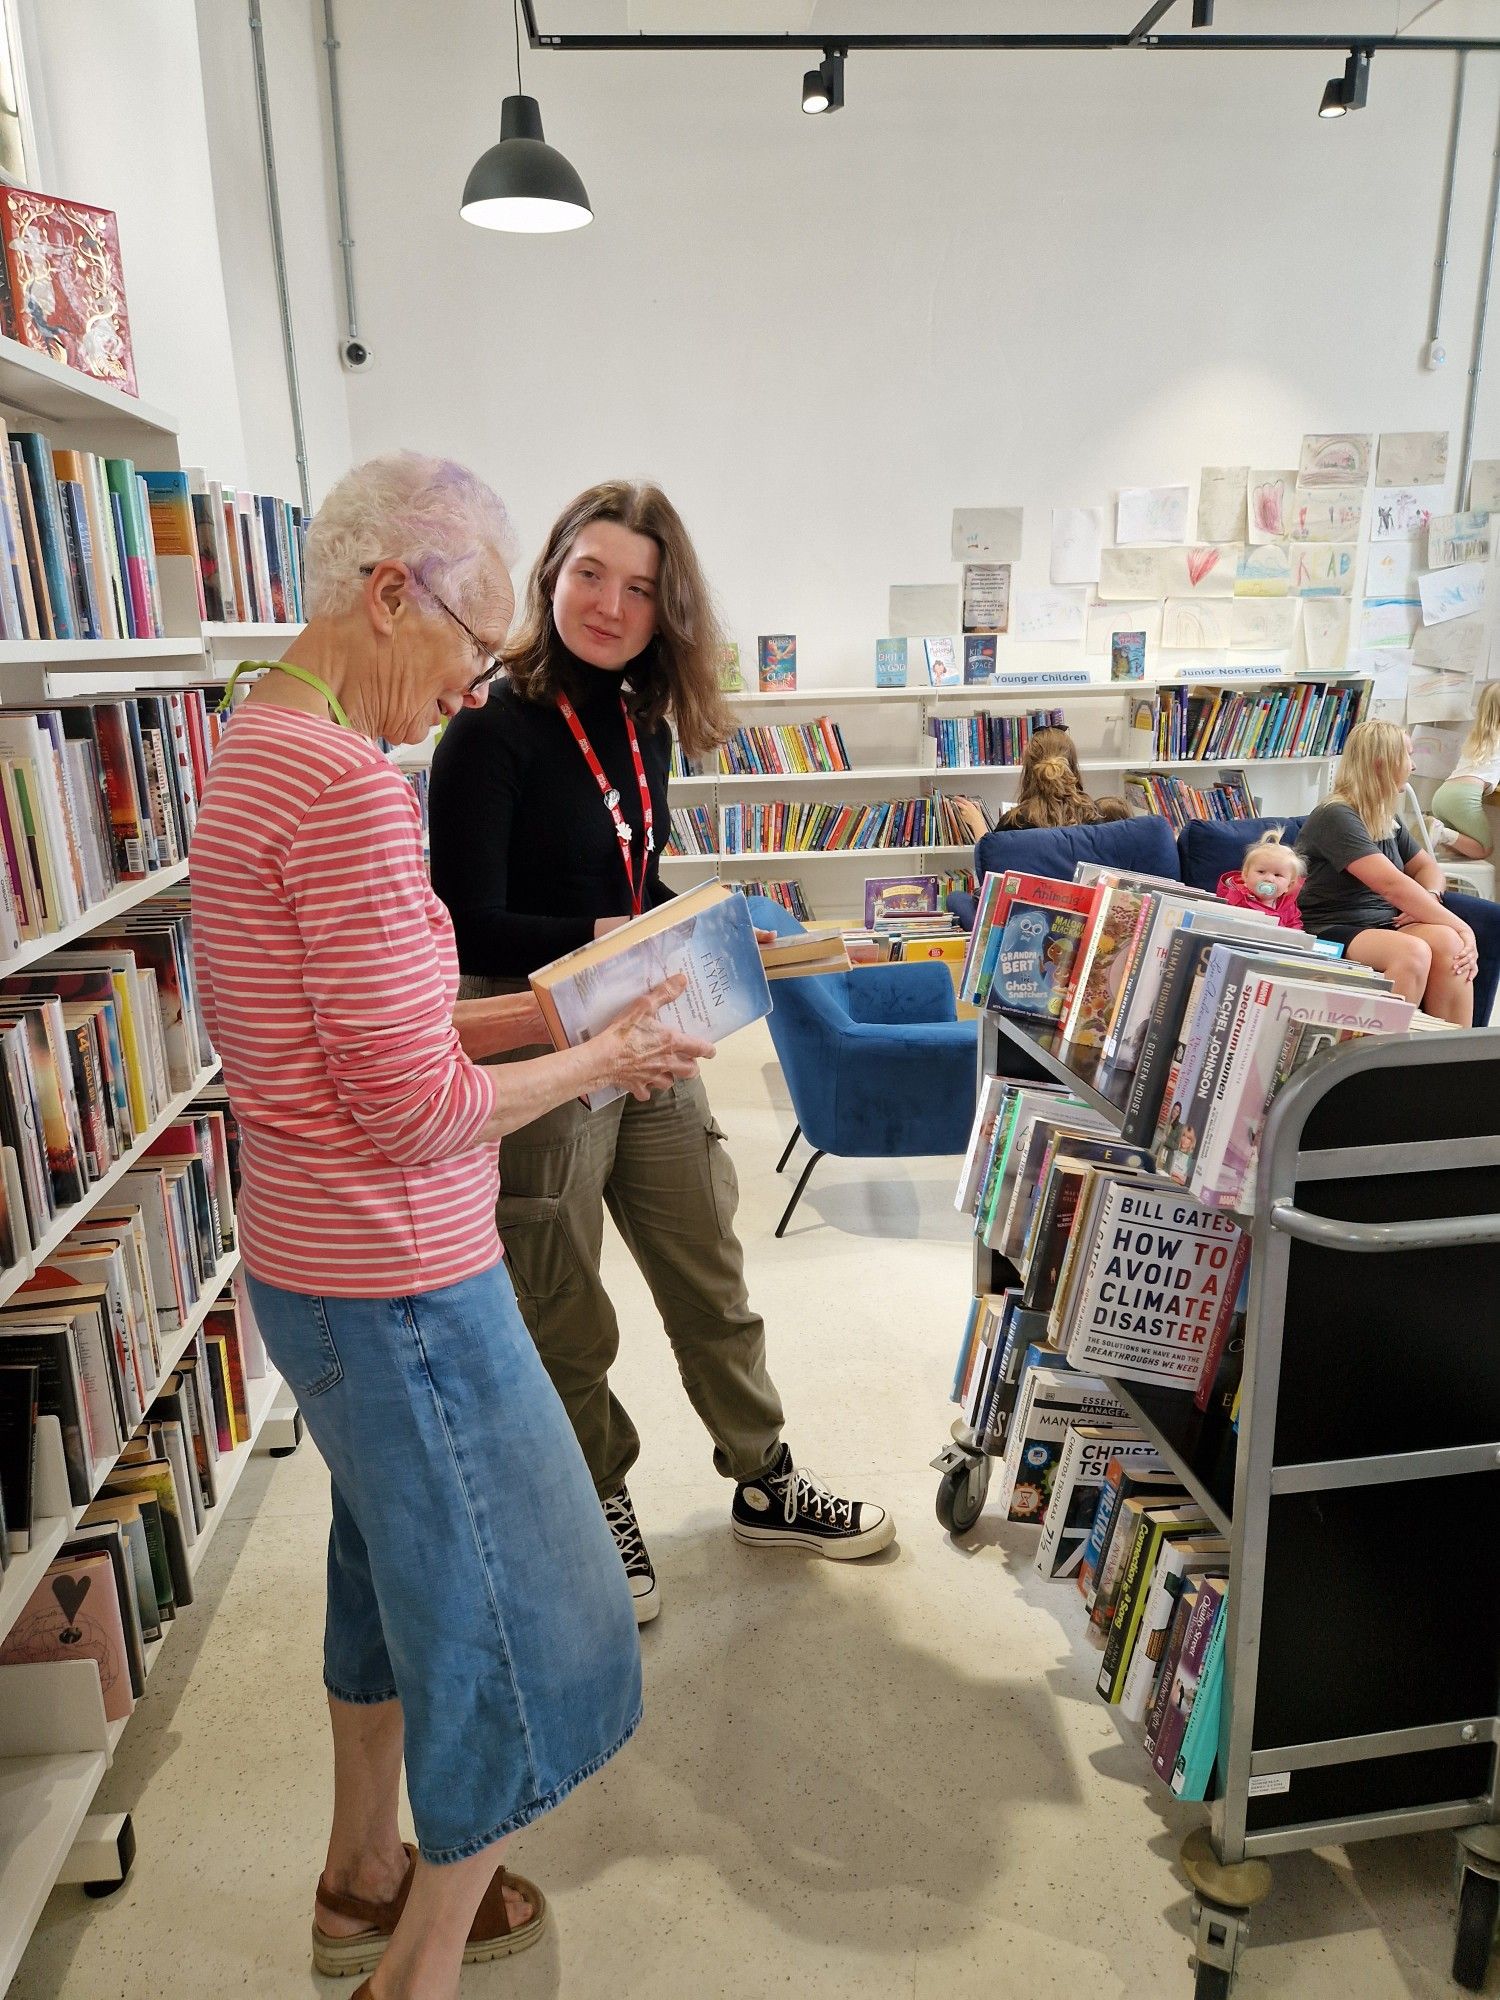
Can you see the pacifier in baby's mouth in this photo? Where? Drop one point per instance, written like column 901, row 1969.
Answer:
column 1266, row 891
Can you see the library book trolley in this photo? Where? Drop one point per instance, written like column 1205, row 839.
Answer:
column 1361, row 1494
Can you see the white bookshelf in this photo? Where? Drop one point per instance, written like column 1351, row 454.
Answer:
column 55, row 1745
column 129, row 897
column 893, row 755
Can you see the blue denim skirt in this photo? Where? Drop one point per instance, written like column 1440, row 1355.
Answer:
column 470, row 1570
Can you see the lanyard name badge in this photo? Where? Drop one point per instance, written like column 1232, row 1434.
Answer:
column 611, row 798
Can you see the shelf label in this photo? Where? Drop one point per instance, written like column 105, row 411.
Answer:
column 1043, row 677
column 1268, row 1783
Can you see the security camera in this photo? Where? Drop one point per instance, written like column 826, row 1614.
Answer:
column 356, row 355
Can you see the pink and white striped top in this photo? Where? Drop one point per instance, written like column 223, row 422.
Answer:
column 327, row 972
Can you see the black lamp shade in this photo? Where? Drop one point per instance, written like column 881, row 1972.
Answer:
column 1333, row 105
column 523, row 184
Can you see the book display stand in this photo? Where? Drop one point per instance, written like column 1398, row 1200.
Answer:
column 1362, row 1664
column 55, row 1742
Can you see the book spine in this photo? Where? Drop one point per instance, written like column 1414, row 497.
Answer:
column 1219, row 1047
column 1195, row 1638
column 37, row 453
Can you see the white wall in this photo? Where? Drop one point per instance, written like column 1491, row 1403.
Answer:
column 988, row 280
column 118, row 99
column 298, row 94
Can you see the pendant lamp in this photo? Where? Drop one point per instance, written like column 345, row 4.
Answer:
column 523, row 184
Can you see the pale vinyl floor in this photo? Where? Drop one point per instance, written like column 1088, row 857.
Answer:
column 876, row 1780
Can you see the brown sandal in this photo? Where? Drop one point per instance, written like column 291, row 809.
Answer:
column 490, row 1934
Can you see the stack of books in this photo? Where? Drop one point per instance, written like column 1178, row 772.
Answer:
column 95, row 1042
column 967, row 740
column 785, row 749
column 1302, row 719
column 1176, row 801
column 781, row 825
column 92, row 795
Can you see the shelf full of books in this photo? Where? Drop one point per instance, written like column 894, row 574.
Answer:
column 1222, row 1212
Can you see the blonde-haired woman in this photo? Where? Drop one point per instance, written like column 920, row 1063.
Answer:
column 1458, row 821
column 548, row 813
column 1372, row 889
column 1052, row 791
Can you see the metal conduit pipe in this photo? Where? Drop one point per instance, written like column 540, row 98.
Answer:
column 1481, row 327
column 355, row 352
column 278, row 252
column 1434, row 356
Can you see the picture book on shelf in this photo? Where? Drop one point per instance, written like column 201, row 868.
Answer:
column 979, row 658
column 778, row 663
column 706, row 934
column 890, row 663
column 1039, row 936
column 731, row 679
column 943, row 669
column 1127, row 657
column 64, row 292
column 889, row 896
column 74, row 1614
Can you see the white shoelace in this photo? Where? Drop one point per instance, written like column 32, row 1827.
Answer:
column 806, row 1494
column 626, row 1530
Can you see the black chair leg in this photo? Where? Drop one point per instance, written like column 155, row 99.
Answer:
column 797, row 1193
column 796, row 1135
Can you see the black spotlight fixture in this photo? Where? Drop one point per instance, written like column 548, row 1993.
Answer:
column 1349, row 92
column 1203, row 13
column 522, row 184
column 823, row 87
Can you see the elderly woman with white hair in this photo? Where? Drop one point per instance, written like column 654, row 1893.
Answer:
column 478, row 1619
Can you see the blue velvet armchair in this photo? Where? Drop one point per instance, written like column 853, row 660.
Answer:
column 877, row 1065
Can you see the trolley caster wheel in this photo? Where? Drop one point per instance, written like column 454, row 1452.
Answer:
column 1211, row 1983
column 1478, row 1909
column 961, row 1495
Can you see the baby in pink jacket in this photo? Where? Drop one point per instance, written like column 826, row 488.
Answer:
column 1268, row 878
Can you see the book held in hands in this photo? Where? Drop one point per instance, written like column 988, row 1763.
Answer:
column 707, row 935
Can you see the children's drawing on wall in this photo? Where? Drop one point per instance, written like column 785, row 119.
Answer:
column 1335, row 458
column 1152, row 514
column 1223, row 514
column 1327, row 514
column 1195, row 625
column 1270, row 498
column 1458, row 538
column 1451, row 593
column 1322, row 569
column 1401, row 513
column 1411, row 458
column 1264, row 570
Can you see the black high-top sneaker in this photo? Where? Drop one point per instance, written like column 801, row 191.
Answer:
column 788, row 1508
column 620, row 1514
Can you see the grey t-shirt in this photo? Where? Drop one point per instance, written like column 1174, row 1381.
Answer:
column 1332, row 836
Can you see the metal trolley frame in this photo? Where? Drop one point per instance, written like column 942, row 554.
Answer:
column 1361, row 1497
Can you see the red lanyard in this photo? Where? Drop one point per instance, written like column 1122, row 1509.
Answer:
column 612, row 798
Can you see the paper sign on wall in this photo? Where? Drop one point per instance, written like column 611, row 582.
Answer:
column 986, row 534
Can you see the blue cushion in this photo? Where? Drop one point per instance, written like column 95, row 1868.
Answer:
column 1209, row 848
column 1144, row 843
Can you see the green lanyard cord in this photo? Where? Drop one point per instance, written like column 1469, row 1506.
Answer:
column 297, row 673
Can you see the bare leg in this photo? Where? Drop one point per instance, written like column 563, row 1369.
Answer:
column 1448, row 994
column 365, row 1855
column 1404, row 957
column 425, row 1956
column 1466, row 847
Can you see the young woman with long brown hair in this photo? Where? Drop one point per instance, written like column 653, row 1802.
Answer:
column 1052, row 791
column 548, row 812
column 1372, row 889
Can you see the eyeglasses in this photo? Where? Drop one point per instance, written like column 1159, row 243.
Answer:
column 493, row 662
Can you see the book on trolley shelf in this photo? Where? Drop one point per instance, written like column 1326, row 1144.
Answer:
column 1050, row 1397
column 706, row 934
column 1085, row 1458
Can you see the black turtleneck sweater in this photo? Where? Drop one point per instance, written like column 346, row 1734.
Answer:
column 524, row 849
